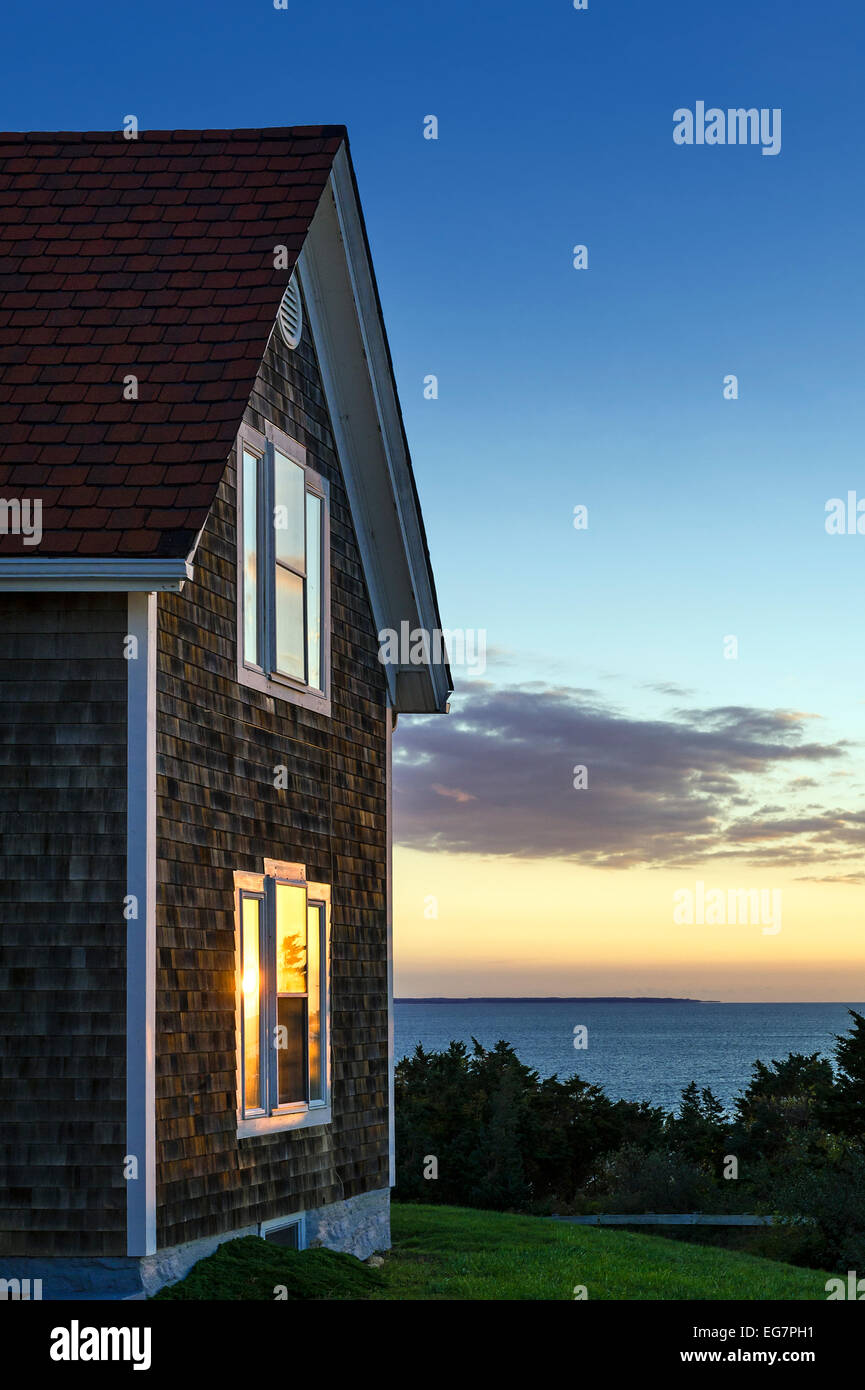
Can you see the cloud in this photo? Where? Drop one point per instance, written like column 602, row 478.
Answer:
column 496, row 777
column 852, row 879
column 669, row 688
column 499, row 655
column 455, row 792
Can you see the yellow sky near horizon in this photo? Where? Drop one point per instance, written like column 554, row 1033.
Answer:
column 547, row 927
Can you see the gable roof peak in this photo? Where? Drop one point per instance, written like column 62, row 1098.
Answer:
column 138, row 288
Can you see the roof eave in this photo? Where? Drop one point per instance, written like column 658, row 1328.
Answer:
column 343, row 305
column 83, row 574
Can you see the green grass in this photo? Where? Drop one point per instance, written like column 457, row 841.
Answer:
column 455, row 1253
column 792, row 1245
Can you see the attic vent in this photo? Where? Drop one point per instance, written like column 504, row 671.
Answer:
column 290, row 316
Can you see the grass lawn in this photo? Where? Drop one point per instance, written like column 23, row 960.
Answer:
column 458, row 1254
column 455, row 1253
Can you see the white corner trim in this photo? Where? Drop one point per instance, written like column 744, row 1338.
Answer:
column 83, row 573
column 391, row 1058
column 141, row 930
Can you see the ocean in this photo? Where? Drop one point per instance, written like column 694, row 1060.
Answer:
column 643, row 1050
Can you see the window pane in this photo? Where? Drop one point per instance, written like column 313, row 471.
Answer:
column 288, row 514
column 290, row 939
column 289, row 624
column 316, row 1067
column 250, row 555
column 291, row 1049
column 314, row 581
column 250, row 931
column 286, row 1236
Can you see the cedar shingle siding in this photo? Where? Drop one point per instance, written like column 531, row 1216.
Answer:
column 218, row 745
column 63, row 960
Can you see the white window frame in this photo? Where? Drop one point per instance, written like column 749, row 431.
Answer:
column 279, row 1224
column 297, row 1115
column 259, row 676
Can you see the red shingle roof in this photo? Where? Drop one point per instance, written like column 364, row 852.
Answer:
column 154, row 258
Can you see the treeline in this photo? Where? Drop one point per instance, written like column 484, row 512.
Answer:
column 478, row 1128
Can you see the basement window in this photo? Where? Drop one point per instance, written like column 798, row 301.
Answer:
column 289, row 1232
column 283, row 570
column 283, row 999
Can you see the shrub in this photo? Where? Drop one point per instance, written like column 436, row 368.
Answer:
column 501, row 1137
column 828, row 1200
column 249, row 1269
column 635, row 1180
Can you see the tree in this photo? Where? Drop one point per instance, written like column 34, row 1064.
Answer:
column 843, row 1111
column 699, row 1131
column 502, row 1137
column 781, row 1106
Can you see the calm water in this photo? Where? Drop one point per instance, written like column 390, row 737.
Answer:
column 635, row 1051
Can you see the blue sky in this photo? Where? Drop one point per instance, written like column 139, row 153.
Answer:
column 557, row 386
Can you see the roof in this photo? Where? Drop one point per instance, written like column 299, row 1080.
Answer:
column 152, row 258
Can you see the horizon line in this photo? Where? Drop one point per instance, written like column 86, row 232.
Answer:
column 550, row 999
column 600, row 999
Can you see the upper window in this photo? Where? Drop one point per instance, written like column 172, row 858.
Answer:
column 283, row 950
column 284, row 544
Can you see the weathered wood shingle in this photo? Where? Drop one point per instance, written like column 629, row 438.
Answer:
column 62, row 931
column 218, row 745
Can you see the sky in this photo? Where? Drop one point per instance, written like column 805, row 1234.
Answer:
column 737, row 764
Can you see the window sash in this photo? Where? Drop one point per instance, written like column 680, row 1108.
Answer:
column 249, row 486
column 314, row 589
column 312, row 673
column 317, row 1003
column 275, row 995
column 315, row 1086
column 260, row 1025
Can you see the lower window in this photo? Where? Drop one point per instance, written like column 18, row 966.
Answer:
column 283, row 945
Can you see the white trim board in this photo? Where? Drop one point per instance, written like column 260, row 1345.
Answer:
column 342, row 307
column 390, row 717
column 87, row 574
column 141, row 930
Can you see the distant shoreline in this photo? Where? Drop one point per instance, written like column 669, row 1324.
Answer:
column 548, row 999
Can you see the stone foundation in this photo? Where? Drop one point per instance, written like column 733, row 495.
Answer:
column 358, row 1226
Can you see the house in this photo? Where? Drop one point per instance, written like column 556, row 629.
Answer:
column 195, row 878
